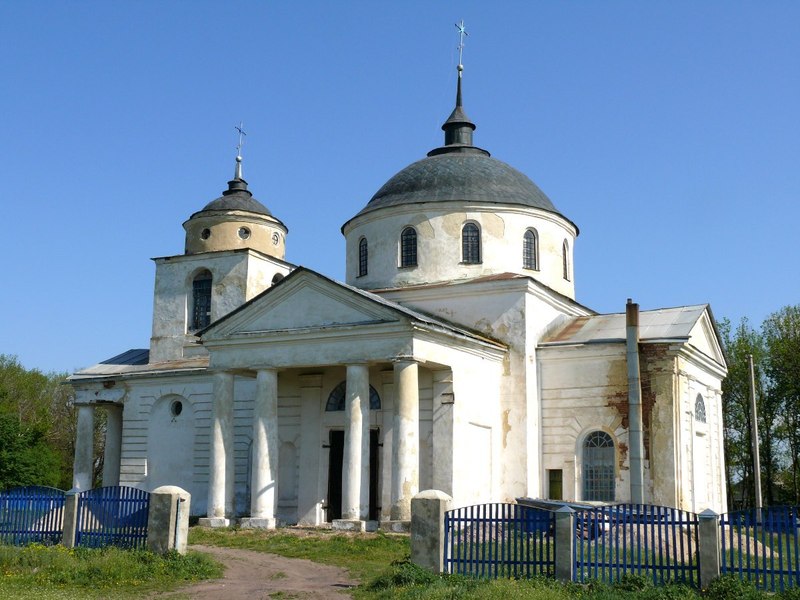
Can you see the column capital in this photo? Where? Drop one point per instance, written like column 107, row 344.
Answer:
column 404, row 358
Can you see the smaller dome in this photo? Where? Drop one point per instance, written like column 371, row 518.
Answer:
column 238, row 200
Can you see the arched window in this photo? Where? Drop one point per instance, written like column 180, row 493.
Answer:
column 530, row 250
column 336, row 398
column 598, row 467
column 565, row 257
column 201, row 300
column 408, row 247
column 700, row 409
column 471, row 244
column 276, row 278
column 362, row 257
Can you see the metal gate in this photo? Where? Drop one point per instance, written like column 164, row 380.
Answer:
column 31, row 514
column 112, row 516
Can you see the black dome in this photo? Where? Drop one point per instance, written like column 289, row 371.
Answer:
column 466, row 177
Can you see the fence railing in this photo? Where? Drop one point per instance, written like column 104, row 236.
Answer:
column 652, row 541
column 499, row 540
column 31, row 514
column 112, row 516
column 762, row 545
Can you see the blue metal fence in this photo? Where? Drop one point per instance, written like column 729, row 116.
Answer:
column 112, row 516
column 762, row 545
column 499, row 540
column 31, row 514
column 654, row 541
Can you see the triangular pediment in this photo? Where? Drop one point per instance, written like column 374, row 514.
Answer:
column 703, row 336
column 304, row 300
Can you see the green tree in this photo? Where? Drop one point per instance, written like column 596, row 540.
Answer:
column 25, row 456
column 781, row 332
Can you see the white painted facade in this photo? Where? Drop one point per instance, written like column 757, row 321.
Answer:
column 300, row 399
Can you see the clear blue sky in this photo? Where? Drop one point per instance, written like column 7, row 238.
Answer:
column 668, row 131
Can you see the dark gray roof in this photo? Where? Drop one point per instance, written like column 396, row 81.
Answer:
column 459, row 171
column 236, row 197
column 461, row 176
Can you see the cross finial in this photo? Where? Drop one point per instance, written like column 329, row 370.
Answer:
column 461, row 33
column 242, row 135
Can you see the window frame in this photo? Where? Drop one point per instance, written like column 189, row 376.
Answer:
column 598, row 472
column 471, row 251
column 363, row 257
column 530, row 249
column 700, row 413
column 201, row 300
column 408, row 247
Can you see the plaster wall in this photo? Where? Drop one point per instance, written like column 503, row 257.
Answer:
column 237, row 276
column 266, row 234
column 439, row 244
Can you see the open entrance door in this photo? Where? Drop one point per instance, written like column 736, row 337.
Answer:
column 335, row 465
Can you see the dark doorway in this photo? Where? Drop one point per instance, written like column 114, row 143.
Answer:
column 335, row 465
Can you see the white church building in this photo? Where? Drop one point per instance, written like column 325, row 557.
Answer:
column 453, row 357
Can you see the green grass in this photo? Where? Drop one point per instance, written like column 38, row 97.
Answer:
column 38, row 571
column 365, row 556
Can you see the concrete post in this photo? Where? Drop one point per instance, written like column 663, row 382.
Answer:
column 264, row 484
column 168, row 519
column 708, row 547
column 84, row 448
column 354, row 512
column 221, row 469
column 427, row 529
column 70, row 518
column 565, row 543
column 405, row 446
column 113, row 450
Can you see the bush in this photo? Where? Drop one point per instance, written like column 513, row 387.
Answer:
column 732, row 587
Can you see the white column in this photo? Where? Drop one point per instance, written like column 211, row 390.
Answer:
column 264, row 483
column 310, row 489
column 84, row 448
column 220, row 476
column 405, row 447
column 356, row 405
column 113, row 449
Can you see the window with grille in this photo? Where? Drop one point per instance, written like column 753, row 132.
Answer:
column 337, row 398
column 565, row 253
column 201, row 301
column 700, row 409
column 471, row 244
column 598, row 467
column 362, row 257
column 530, row 250
column 408, row 247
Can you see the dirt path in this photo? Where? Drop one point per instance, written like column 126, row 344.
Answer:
column 253, row 575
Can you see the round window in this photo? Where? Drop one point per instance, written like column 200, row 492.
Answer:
column 205, row 234
column 176, row 408
column 276, row 238
column 244, row 233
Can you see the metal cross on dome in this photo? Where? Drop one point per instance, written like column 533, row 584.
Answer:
column 242, row 134
column 461, row 33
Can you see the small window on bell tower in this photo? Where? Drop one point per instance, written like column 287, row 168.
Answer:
column 201, row 300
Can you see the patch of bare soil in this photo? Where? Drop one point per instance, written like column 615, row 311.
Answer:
column 254, row 575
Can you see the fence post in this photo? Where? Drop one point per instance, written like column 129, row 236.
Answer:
column 708, row 547
column 565, row 543
column 70, row 518
column 168, row 519
column 427, row 529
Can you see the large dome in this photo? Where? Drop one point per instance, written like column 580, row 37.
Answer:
column 460, row 176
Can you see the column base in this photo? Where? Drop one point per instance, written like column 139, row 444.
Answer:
column 396, row 526
column 349, row 525
column 258, row 523
column 214, row 522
